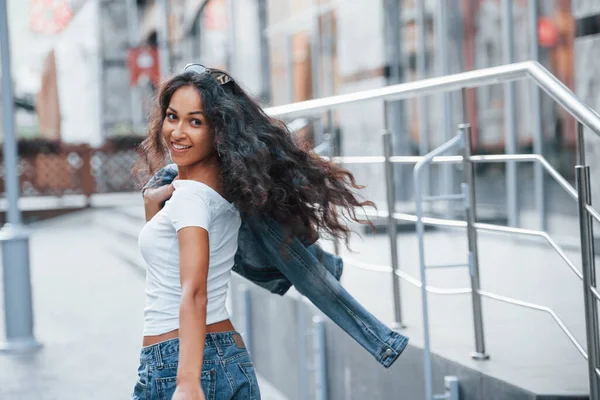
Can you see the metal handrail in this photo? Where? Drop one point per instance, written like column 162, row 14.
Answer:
column 480, row 227
column 475, row 290
column 471, row 79
column 407, row 160
column 595, row 214
column 458, row 291
column 544, row 80
column 459, row 141
column 450, row 223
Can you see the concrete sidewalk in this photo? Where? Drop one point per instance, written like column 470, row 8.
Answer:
column 88, row 309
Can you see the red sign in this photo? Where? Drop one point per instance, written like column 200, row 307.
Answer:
column 49, row 16
column 143, row 62
column 547, row 32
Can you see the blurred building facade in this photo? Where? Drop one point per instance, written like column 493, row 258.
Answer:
column 319, row 48
column 293, row 50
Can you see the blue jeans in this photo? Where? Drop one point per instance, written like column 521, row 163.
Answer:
column 227, row 372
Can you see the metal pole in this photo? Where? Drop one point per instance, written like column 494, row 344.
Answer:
column 510, row 129
column 320, row 356
column 422, row 100
column 247, row 304
column 394, row 110
column 330, row 137
column 582, row 175
column 316, row 54
column 393, row 44
column 452, row 388
column 580, row 144
column 265, row 54
column 303, row 366
column 316, row 70
column 100, row 177
column 471, row 217
column 536, row 109
column 328, row 39
column 392, row 228
column 134, row 41
column 162, row 35
column 18, row 307
column 289, row 56
column 427, row 159
column 232, row 46
column 441, row 28
column 428, row 370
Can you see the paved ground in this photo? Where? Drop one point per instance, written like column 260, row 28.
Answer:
column 88, row 315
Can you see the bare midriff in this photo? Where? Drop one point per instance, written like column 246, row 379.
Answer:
column 222, row 326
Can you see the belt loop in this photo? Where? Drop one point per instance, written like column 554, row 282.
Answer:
column 217, row 344
column 158, row 356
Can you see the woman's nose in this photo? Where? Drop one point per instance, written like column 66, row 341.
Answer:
column 177, row 132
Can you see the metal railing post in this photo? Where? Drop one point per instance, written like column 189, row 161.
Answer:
column 320, row 357
column 390, row 190
column 420, row 228
column 580, row 144
column 582, row 175
column 471, row 218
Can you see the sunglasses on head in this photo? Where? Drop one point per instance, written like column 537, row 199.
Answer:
column 221, row 76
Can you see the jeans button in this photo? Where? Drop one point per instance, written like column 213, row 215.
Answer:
column 389, row 352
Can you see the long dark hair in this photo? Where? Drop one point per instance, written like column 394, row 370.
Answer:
column 264, row 169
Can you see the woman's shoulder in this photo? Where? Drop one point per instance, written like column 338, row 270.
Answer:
column 190, row 186
column 186, row 190
column 200, row 191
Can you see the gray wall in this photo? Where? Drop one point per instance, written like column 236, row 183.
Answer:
column 352, row 372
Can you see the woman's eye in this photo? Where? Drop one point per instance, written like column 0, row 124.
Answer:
column 196, row 122
column 172, row 117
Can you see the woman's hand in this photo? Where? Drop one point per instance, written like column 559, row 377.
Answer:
column 188, row 391
column 158, row 195
column 154, row 199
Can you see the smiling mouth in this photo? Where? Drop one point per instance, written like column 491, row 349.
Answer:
column 180, row 146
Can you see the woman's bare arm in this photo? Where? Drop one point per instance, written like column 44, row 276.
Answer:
column 194, row 259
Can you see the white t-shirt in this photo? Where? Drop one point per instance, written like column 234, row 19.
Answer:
column 192, row 204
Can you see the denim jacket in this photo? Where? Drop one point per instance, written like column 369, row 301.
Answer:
column 314, row 272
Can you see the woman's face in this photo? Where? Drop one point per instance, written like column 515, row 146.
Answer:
column 185, row 129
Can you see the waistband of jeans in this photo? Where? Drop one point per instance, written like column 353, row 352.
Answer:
column 168, row 347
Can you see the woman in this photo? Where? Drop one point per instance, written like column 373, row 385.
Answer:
column 231, row 159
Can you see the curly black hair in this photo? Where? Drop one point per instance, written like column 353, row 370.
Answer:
column 264, row 168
